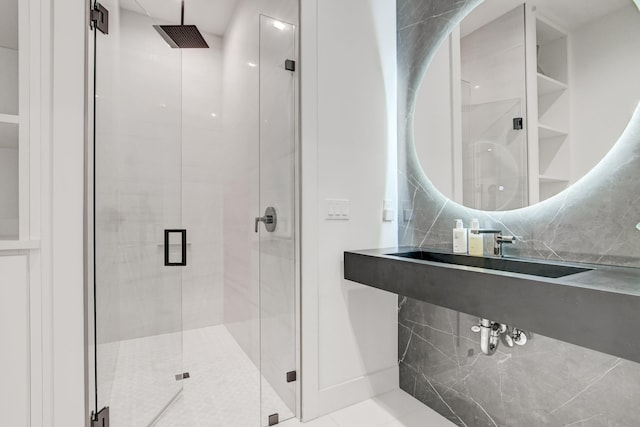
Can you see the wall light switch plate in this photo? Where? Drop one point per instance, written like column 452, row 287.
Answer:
column 388, row 213
column 337, row 209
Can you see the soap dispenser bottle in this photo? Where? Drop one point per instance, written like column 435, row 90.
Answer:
column 459, row 238
column 476, row 244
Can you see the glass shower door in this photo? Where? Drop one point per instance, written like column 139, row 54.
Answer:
column 137, row 197
column 277, row 240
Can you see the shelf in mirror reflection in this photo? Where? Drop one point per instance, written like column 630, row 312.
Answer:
column 9, row 118
column 546, row 132
column 548, row 85
column 552, row 179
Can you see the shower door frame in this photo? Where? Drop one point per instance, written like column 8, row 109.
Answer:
column 88, row 270
column 97, row 411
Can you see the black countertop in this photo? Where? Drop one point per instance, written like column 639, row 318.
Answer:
column 597, row 309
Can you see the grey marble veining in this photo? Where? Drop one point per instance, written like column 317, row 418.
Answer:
column 546, row 383
column 549, row 382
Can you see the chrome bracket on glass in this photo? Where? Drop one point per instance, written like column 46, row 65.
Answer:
column 100, row 18
column 101, row 419
column 274, row 419
column 169, row 261
column 270, row 220
column 183, row 376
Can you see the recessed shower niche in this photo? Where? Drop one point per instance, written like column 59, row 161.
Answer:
column 190, row 146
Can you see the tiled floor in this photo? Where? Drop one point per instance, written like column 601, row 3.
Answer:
column 393, row 409
column 224, row 389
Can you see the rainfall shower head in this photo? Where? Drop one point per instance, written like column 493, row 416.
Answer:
column 182, row 36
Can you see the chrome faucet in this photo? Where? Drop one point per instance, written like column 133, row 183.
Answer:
column 498, row 239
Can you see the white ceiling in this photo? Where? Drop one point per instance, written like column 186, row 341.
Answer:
column 9, row 23
column 570, row 14
column 211, row 16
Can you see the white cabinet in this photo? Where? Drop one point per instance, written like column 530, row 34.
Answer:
column 14, row 341
column 20, row 258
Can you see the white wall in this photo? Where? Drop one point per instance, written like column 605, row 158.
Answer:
column 348, row 152
column 241, row 185
column 158, row 166
column 63, row 190
column 202, row 192
column 14, row 339
column 604, row 85
column 492, row 58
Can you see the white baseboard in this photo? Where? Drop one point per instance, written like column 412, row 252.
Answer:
column 357, row 390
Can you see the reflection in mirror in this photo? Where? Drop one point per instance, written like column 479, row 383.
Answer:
column 9, row 120
column 8, row 181
column 523, row 99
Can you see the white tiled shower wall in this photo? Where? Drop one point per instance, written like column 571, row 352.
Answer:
column 175, row 111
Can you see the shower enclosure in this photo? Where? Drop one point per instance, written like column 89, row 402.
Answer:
column 193, row 299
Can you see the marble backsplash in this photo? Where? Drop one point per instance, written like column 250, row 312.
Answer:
column 547, row 382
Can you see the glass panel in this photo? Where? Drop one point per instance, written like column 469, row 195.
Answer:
column 493, row 94
column 277, row 248
column 8, row 181
column 137, row 195
column 494, row 156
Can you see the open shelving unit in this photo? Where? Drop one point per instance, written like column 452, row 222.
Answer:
column 553, row 108
column 548, row 85
column 12, row 133
column 14, row 123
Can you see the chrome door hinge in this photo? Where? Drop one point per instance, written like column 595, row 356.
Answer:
column 99, row 17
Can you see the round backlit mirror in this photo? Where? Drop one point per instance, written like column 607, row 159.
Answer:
column 523, row 99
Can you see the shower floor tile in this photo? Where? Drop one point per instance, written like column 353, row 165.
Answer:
column 224, row 385
column 223, row 389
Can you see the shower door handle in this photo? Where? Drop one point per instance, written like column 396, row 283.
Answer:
column 270, row 220
column 183, row 248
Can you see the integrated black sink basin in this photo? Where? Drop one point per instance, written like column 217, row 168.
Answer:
column 502, row 264
column 539, row 296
